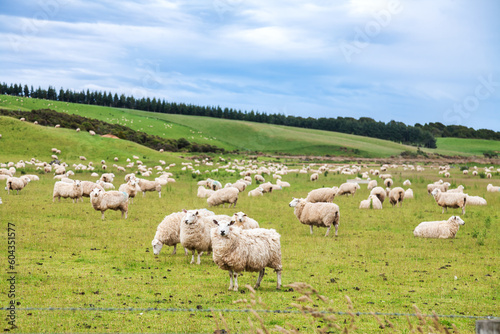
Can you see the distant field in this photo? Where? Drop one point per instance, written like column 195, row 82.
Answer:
column 460, row 146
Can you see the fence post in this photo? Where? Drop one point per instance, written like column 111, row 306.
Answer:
column 488, row 326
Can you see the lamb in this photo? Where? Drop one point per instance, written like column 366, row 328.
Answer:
column 492, row 189
column 453, row 200
column 372, row 184
column 168, row 231
column 380, row 193
column 388, row 182
column 348, row 188
column 115, row 200
column 256, row 192
column 146, row 185
column 244, row 222
column 237, row 250
column 314, row 177
column 204, row 192
column 195, row 232
column 409, row 193
column 371, row 203
column 16, row 183
column 396, row 196
column 316, row 214
column 443, row 229
column 476, row 200
column 222, row 196
column 131, row 188
column 67, row 190
column 322, row 195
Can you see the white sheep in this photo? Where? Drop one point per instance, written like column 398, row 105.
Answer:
column 388, row 182
column 459, row 189
column 396, row 196
column 371, row 203
column 67, row 190
column 105, row 185
column 244, row 222
column 409, row 193
column 147, row 185
column 441, row 186
column 222, row 196
column 92, row 133
column 168, row 231
column 87, row 187
column 348, row 188
column 237, row 250
column 380, row 193
column 282, row 184
column 104, row 200
column 16, row 183
column 322, row 195
column 131, row 188
column 443, row 229
column 204, row 192
column 371, row 184
column 32, row 177
column 492, row 189
column 453, row 200
column 476, row 200
column 316, row 214
column 256, row 192
column 314, row 177
column 407, row 183
column 267, row 187
column 107, row 177
column 259, row 178
column 241, row 186
column 195, row 232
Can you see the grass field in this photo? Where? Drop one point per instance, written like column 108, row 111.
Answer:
column 66, row 257
column 249, row 136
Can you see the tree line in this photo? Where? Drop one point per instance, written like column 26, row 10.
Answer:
column 418, row 135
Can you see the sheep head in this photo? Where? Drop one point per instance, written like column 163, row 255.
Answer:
column 223, row 227
column 157, row 245
column 190, row 216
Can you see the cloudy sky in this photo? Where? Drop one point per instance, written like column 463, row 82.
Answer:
column 411, row 61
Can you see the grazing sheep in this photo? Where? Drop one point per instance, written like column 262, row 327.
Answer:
column 407, row 183
column 459, row 189
column 492, row 189
column 316, row 214
column 222, row 196
column 168, row 231
column 31, row 177
column 88, row 186
column 105, row 185
column 348, row 188
column 396, row 196
column 204, row 192
column 146, row 185
column 453, row 200
column 259, row 178
column 256, row 192
column 388, row 182
column 107, row 177
column 67, row 190
column 476, row 200
column 267, row 187
column 409, row 193
column 322, row 195
column 443, row 229
column 314, row 177
column 372, row 184
column 488, row 176
column 443, row 187
column 92, row 133
column 237, row 250
column 380, row 193
column 371, row 203
column 115, row 200
column 82, row 157
column 16, row 183
column 244, row 222
column 131, row 188
column 465, row 171
column 214, row 185
column 195, row 232
column 241, row 186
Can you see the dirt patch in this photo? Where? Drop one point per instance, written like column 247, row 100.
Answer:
column 110, row 136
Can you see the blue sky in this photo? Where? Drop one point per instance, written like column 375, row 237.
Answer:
column 410, row 61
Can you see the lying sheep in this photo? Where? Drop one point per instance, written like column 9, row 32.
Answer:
column 407, row 183
column 453, row 200
column 371, row 184
column 259, row 178
column 371, row 203
column 204, row 192
column 32, row 177
column 168, row 231
column 282, row 184
column 492, row 189
column 316, row 214
column 244, row 222
column 237, row 250
column 348, row 188
column 131, row 188
column 195, row 232
column 67, row 190
column 322, row 195
column 476, row 200
column 380, row 193
column 105, row 185
column 459, row 189
column 222, row 196
column 256, row 192
column 16, row 183
column 443, row 229
column 146, row 185
column 396, row 196
column 104, row 200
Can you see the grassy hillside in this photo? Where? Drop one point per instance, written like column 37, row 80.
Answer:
column 250, row 136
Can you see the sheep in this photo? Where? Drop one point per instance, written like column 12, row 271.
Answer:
column 476, row 200
column 241, row 186
column 92, row 133
column 267, row 187
column 396, row 196
column 115, row 200
column 371, row 203
column 371, row 184
column 380, row 193
column 88, row 186
column 168, row 231
column 492, row 189
column 244, row 222
column 82, row 158
column 222, row 196
column 107, row 177
column 204, row 192
column 314, row 177
column 16, row 183
column 388, row 182
column 131, row 188
column 105, row 185
column 256, row 192
column 237, row 250
column 67, row 190
column 407, row 183
column 443, row 229
column 215, row 185
column 146, row 185
column 316, row 214
column 465, row 172
column 259, row 178
column 348, row 188
column 282, row 184
column 77, row 129
column 488, row 176
column 322, row 195
column 459, row 189
column 195, row 232
column 453, row 200
column 443, row 187
column 409, row 193
column 32, row 177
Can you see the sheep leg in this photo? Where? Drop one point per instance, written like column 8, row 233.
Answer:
column 311, row 229
column 278, row 278
column 192, row 257
column 230, row 280
column 259, row 279
column 186, row 251
column 159, row 194
column 235, row 288
column 199, row 260
column 336, row 229
column 328, row 230
column 102, row 215
column 143, row 193
column 463, row 210
column 175, row 249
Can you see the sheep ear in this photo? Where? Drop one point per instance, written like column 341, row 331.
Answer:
column 184, row 210
column 231, row 222
column 244, row 215
column 196, row 213
column 216, row 223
